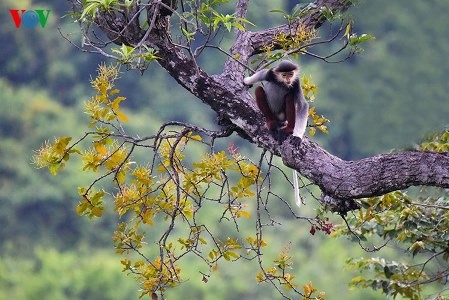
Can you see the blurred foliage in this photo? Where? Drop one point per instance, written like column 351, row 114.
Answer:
column 57, row 275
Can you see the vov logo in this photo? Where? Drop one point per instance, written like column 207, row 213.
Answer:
column 29, row 18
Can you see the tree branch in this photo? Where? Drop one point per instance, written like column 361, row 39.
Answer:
column 368, row 177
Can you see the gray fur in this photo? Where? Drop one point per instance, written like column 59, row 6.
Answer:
column 256, row 77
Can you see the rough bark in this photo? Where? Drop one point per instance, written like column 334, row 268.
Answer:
column 372, row 176
column 226, row 94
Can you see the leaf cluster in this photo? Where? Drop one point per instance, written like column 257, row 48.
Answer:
column 389, row 276
column 421, row 228
column 438, row 142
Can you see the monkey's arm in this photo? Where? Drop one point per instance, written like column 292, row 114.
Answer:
column 260, row 75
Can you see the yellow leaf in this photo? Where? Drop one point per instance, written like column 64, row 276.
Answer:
column 323, row 129
column 308, row 289
column 121, row 176
column 114, row 91
column 196, row 138
column 348, row 29
column 260, row 276
column 97, row 211
column 214, row 267
column 80, row 208
column 126, row 263
column 53, row 169
column 139, row 263
column 122, row 116
column 101, row 149
column 288, row 277
column 119, row 99
column 312, row 131
column 116, row 103
column 312, row 111
column 244, row 214
column 147, row 218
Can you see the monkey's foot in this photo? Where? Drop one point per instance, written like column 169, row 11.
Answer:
column 297, row 141
column 286, row 130
column 280, row 136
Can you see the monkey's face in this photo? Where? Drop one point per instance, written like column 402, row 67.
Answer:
column 287, row 78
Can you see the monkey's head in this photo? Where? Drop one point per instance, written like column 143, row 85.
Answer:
column 286, row 72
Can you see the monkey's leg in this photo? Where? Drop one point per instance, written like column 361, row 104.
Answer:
column 262, row 103
column 290, row 114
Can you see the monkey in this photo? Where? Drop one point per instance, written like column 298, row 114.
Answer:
column 281, row 100
column 282, row 103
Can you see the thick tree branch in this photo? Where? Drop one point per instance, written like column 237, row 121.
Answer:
column 372, row 176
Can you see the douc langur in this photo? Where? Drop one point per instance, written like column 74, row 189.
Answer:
column 282, row 103
column 281, row 100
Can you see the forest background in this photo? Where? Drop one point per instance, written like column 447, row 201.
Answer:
column 388, row 98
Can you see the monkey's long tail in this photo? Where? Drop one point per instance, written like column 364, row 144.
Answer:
column 298, row 199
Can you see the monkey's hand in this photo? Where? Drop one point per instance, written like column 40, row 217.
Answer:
column 247, row 82
column 285, row 128
column 283, row 125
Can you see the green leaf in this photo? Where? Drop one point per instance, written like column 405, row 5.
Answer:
column 278, row 11
column 54, row 168
column 97, row 211
column 354, row 40
column 387, row 271
column 228, row 26
column 81, row 208
column 238, row 26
